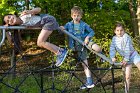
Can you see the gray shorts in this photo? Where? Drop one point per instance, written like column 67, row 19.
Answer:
column 49, row 22
column 81, row 52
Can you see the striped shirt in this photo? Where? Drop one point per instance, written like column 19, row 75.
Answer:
column 122, row 45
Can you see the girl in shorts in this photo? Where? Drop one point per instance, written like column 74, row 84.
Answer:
column 122, row 44
column 47, row 22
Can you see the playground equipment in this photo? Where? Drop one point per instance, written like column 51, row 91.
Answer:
column 3, row 35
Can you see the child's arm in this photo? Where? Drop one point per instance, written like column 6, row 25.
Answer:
column 65, row 27
column 113, row 59
column 90, row 31
column 87, row 40
column 32, row 12
column 112, row 52
column 62, row 27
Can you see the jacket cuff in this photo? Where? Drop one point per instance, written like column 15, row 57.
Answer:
column 125, row 59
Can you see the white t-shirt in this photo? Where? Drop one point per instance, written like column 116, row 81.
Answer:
column 29, row 20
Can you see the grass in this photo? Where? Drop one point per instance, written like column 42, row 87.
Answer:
column 64, row 81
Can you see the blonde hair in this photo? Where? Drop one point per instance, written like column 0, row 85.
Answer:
column 77, row 9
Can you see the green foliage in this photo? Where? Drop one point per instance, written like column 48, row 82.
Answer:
column 136, row 41
column 101, row 15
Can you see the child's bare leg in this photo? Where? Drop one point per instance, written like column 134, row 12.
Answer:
column 128, row 76
column 89, row 80
column 86, row 70
column 41, row 41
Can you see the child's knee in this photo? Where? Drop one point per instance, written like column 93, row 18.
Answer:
column 40, row 44
column 96, row 48
column 128, row 78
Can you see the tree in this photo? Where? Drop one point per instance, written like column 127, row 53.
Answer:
column 138, row 15
column 133, row 15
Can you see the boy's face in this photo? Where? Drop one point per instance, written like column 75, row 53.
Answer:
column 119, row 31
column 10, row 19
column 76, row 17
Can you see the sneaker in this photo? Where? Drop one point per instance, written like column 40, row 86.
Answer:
column 87, row 86
column 61, row 57
column 102, row 60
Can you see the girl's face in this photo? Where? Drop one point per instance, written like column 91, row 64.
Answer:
column 10, row 19
column 119, row 31
column 76, row 17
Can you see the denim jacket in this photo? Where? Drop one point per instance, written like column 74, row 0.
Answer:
column 85, row 31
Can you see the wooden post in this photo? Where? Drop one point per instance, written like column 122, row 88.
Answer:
column 16, row 50
column 13, row 64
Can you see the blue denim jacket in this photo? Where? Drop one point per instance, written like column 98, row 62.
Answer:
column 84, row 28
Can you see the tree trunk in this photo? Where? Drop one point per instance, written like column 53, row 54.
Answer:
column 138, row 15
column 134, row 20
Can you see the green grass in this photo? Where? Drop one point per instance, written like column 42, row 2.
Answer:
column 31, row 83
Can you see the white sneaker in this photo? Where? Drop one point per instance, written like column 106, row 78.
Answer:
column 87, row 86
column 90, row 86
